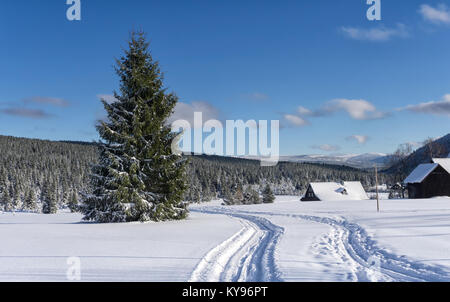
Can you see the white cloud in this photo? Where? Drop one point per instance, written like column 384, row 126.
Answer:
column 303, row 111
column 326, row 147
column 107, row 98
column 437, row 108
column 438, row 15
column 184, row 111
column 294, row 120
column 27, row 113
column 48, row 101
column 377, row 34
column 357, row 109
column 360, row 139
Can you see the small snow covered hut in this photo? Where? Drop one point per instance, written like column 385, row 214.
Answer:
column 430, row 180
column 334, row 191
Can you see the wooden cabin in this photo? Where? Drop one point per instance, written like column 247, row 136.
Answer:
column 430, row 180
column 333, row 191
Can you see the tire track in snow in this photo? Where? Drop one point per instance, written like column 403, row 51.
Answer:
column 351, row 244
column 247, row 256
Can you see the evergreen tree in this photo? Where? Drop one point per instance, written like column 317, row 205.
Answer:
column 268, row 196
column 207, row 195
column 251, row 196
column 228, row 198
column 15, row 196
column 30, row 201
column 138, row 178
column 239, row 195
column 48, row 199
column 195, row 191
column 6, row 200
column 73, row 202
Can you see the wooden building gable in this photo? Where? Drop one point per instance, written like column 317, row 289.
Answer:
column 429, row 180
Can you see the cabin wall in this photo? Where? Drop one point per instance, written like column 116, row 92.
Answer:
column 436, row 184
column 310, row 195
column 415, row 191
column 310, row 198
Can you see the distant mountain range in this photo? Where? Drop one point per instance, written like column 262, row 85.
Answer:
column 441, row 146
column 366, row 160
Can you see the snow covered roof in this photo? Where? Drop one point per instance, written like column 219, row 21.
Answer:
column 356, row 189
column 333, row 191
column 420, row 173
column 443, row 162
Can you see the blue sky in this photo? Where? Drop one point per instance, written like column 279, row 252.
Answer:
column 337, row 82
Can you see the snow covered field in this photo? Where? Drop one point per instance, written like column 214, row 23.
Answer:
column 285, row 241
column 36, row 247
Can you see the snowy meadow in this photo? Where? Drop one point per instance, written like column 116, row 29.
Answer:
column 409, row 240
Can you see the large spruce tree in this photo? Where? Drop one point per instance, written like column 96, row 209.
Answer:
column 138, row 178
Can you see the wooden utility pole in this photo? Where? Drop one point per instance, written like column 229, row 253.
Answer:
column 376, row 186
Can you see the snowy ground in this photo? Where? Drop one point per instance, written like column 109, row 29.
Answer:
column 285, row 241
column 37, row 247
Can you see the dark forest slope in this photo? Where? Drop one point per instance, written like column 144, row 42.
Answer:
column 436, row 149
column 27, row 165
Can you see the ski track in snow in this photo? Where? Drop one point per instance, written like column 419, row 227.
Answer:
column 248, row 256
column 348, row 242
column 368, row 262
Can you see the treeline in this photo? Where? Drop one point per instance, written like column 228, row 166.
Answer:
column 213, row 176
column 37, row 175
column 42, row 176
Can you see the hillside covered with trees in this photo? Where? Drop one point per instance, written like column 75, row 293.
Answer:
column 405, row 160
column 33, row 172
